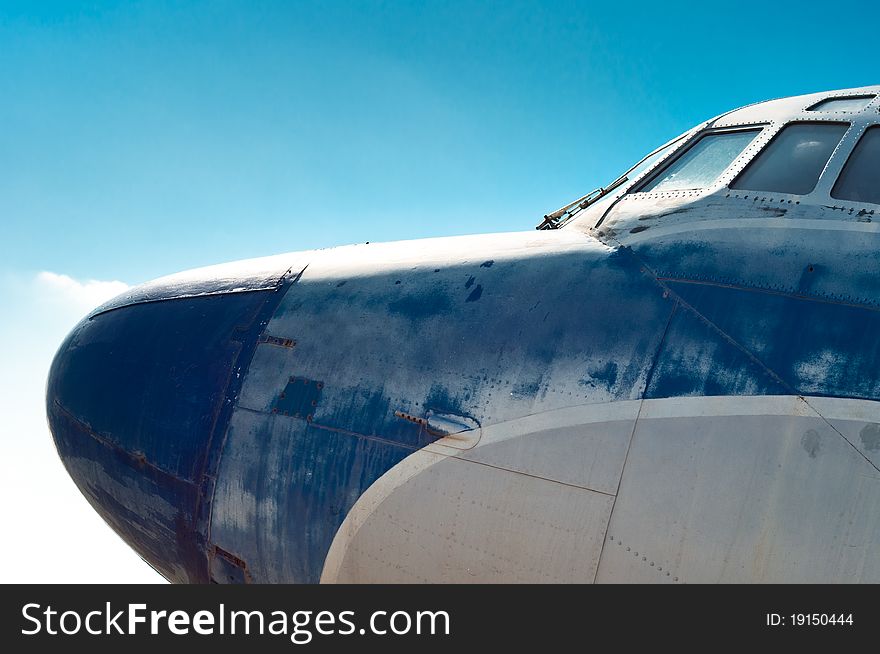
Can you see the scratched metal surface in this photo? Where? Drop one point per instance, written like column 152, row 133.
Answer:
column 519, row 329
column 695, row 374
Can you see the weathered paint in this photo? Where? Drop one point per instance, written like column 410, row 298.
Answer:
column 381, row 361
column 814, row 347
column 648, row 394
column 299, row 398
column 284, row 487
column 136, row 400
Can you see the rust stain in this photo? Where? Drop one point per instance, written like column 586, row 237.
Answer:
column 411, row 418
column 276, row 340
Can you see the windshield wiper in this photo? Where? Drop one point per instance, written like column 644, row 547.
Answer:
column 562, row 215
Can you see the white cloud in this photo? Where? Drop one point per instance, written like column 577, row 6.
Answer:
column 82, row 297
column 41, row 499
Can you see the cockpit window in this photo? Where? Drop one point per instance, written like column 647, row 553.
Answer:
column 634, row 172
column 860, row 179
column 794, row 159
column 852, row 103
column 702, row 163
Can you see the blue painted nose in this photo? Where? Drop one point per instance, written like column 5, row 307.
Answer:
column 138, row 400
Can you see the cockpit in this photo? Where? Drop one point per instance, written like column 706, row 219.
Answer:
column 820, row 150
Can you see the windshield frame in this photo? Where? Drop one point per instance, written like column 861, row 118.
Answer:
column 692, row 143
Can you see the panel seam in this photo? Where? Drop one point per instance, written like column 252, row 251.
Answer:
column 632, row 434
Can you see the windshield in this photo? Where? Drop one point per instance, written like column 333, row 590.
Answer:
column 646, row 163
column 702, row 163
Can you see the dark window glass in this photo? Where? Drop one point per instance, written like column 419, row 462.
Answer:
column 860, row 179
column 793, row 160
column 852, row 103
column 701, row 165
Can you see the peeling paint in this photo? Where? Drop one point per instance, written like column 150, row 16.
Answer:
column 606, row 375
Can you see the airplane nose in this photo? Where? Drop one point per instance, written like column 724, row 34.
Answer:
column 138, row 398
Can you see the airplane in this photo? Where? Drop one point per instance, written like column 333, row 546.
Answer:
column 674, row 379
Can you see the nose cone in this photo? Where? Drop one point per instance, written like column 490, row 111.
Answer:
column 138, row 399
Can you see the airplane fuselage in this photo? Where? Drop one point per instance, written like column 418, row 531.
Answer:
column 684, row 389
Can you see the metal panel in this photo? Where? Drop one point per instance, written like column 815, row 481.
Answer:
column 743, row 498
column 816, row 348
column 697, row 360
column 156, row 374
column 589, row 456
column 299, row 398
column 135, row 398
column 151, row 510
column 462, row 522
column 784, row 108
column 822, row 259
column 283, row 488
column 858, row 421
column 865, row 437
column 415, row 341
column 545, row 333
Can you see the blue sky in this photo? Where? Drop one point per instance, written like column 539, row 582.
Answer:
column 142, row 138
